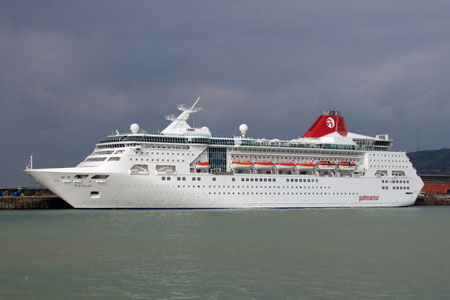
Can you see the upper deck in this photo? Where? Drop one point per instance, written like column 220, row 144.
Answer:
column 328, row 132
column 360, row 144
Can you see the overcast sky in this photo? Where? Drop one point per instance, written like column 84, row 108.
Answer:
column 72, row 72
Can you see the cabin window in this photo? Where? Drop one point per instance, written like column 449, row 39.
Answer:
column 95, row 159
column 165, row 169
column 139, row 170
column 380, row 173
column 100, row 176
column 398, row 173
column 95, row 194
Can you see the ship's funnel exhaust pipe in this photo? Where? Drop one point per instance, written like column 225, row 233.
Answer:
column 330, row 121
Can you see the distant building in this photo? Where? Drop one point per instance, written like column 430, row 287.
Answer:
column 436, row 184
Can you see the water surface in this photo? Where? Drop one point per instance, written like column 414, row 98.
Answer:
column 401, row 253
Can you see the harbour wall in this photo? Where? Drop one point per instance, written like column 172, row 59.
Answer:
column 433, row 200
column 33, row 202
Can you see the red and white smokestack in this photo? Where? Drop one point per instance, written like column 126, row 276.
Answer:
column 330, row 121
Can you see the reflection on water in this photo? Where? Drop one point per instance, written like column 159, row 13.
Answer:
column 400, row 253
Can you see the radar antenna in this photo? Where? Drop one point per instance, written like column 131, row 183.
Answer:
column 191, row 109
column 171, row 117
column 179, row 123
column 195, row 103
column 30, row 163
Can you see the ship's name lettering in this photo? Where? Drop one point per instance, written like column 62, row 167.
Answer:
column 83, row 185
column 368, row 198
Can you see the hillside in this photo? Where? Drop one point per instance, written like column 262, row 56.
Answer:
column 431, row 161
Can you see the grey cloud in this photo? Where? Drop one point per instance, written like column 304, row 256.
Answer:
column 73, row 71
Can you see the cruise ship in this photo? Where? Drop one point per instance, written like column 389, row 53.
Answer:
column 182, row 167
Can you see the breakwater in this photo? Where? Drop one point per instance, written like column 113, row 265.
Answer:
column 433, row 200
column 33, row 202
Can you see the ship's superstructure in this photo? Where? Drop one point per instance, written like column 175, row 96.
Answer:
column 185, row 167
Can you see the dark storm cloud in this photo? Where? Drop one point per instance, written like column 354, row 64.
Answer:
column 73, row 71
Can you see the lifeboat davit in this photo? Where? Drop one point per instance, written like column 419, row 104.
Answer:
column 242, row 165
column 347, row 165
column 202, row 165
column 262, row 165
column 305, row 166
column 285, row 166
column 326, row 165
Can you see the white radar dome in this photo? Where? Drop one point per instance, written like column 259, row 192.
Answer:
column 134, row 128
column 243, row 129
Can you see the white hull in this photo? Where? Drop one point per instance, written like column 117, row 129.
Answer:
column 125, row 191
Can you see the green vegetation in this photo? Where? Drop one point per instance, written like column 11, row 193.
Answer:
column 431, row 161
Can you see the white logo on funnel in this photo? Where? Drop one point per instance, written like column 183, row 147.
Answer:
column 330, row 122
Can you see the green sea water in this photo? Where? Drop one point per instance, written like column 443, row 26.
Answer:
column 401, row 253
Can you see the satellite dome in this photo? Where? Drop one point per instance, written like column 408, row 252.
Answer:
column 134, row 128
column 243, row 129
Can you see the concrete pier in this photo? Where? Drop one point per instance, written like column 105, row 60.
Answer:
column 433, row 200
column 33, row 202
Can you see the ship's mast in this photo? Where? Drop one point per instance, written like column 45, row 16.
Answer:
column 179, row 123
column 30, row 163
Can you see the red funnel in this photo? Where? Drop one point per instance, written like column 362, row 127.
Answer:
column 328, row 122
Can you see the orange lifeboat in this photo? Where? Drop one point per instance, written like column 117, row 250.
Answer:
column 202, row 165
column 305, row 166
column 326, row 165
column 262, row 165
column 347, row 165
column 285, row 166
column 242, row 165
